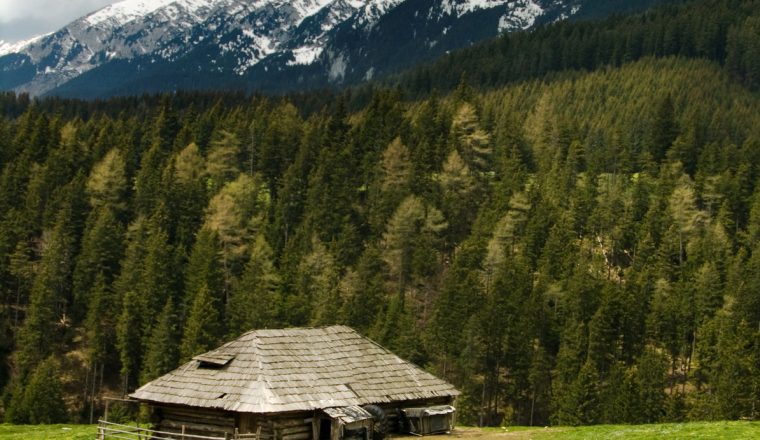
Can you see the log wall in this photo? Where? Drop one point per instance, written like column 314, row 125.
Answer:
column 295, row 426
column 291, row 426
column 393, row 409
column 197, row 421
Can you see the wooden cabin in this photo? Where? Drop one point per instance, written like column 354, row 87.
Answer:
column 326, row 383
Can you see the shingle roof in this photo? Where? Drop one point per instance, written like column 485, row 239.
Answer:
column 266, row 371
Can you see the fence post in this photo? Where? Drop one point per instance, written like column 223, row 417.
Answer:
column 258, row 433
column 183, row 432
column 237, row 433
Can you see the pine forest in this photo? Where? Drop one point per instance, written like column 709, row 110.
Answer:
column 563, row 223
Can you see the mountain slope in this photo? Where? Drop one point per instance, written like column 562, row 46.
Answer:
column 135, row 45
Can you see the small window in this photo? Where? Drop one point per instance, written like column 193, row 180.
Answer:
column 213, row 361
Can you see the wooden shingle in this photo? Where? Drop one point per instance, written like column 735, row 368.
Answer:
column 299, row 369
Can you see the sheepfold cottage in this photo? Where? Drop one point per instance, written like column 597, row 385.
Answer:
column 298, row 384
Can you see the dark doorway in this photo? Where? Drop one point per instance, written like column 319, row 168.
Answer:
column 325, row 426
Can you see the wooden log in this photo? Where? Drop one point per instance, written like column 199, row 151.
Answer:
column 296, row 430
column 200, row 427
column 300, row 436
column 190, row 415
column 284, row 423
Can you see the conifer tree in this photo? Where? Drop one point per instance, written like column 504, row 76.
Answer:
column 473, row 142
column 413, row 224
column 203, row 269
column 43, row 399
column 129, row 334
column 46, row 317
column 221, row 165
column 363, row 291
column 256, row 300
column 459, row 189
column 315, row 299
column 203, row 329
column 100, row 253
column 237, row 213
column 664, row 128
column 392, row 182
column 147, row 186
column 188, row 195
column 161, row 352
column 651, row 380
column 100, row 321
column 107, row 184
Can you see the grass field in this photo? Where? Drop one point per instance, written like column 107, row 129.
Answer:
column 48, row 432
column 713, row 430
column 703, row 430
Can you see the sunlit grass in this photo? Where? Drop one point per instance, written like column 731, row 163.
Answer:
column 697, row 430
column 48, row 432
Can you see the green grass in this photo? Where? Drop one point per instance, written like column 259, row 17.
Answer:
column 697, row 430
column 48, row 432
column 700, row 430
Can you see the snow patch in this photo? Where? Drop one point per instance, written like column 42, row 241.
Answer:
column 305, row 55
column 8, row 48
column 337, row 68
column 522, row 15
column 460, row 8
column 370, row 74
column 125, row 11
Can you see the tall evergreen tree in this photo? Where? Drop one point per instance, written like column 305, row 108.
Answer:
column 161, row 352
column 203, row 329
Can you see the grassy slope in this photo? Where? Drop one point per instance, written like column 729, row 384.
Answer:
column 701, row 430
column 48, row 432
column 697, row 430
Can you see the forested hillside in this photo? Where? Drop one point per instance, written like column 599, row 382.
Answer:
column 581, row 248
column 724, row 31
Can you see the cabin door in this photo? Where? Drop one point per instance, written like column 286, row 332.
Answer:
column 325, row 429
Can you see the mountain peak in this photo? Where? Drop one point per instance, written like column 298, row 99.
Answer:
column 248, row 43
column 125, row 11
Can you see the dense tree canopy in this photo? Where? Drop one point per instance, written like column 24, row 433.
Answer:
column 567, row 250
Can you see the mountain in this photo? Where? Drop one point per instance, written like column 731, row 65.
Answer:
column 140, row 46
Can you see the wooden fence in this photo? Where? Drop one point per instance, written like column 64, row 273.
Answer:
column 115, row 431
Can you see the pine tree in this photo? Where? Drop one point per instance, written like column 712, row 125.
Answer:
column 315, row 299
column 363, row 291
column 161, row 352
column 221, row 166
column 41, row 331
column 107, row 184
column 392, row 182
column 130, row 321
column 651, row 379
column 472, row 141
column 101, row 251
column 460, row 196
column 129, row 334
column 664, row 128
column 100, row 321
column 157, row 275
column 43, row 398
column 256, row 301
column 237, row 213
column 413, row 225
column 203, row 269
column 203, row 329
column 188, row 193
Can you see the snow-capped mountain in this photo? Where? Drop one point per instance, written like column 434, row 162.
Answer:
column 154, row 45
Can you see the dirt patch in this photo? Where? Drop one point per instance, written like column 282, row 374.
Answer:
column 482, row 434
